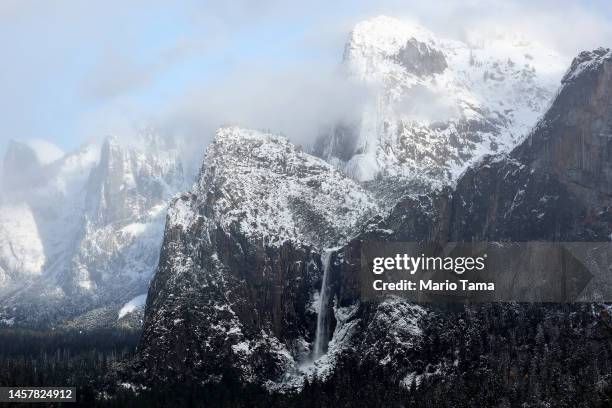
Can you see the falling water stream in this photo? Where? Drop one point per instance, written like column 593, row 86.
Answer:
column 321, row 332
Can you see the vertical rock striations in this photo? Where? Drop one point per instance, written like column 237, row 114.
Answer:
column 235, row 291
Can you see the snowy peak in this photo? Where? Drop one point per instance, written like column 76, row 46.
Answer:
column 384, row 37
column 587, row 62
column 439, row 104
column 127, row 195
column 129, row 180
column 241, row 257
column 266, row 187
column 388, row 34
column 384, row 40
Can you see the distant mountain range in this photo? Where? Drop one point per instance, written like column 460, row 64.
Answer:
column 80, row 233
column 83, row 231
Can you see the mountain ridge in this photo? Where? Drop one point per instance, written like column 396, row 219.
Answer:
column 94, row 219
column 188, row 323
column 440, row 103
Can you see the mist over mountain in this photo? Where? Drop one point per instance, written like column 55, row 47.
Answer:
column 238, row 253
column 238, row 296
column 83, row 231
column 440, row 103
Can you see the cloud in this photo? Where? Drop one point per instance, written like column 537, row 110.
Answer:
column 425, row 105
column 113, row 75
column 303, row 98
column 45, row 151
column 564, row 25
column 299, row 101
column 116, row 73
column 189, row 66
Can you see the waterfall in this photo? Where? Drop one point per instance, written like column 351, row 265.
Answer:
column 321, row 333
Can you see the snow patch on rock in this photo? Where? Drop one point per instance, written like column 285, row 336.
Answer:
column 136, row 303
column 271, row 190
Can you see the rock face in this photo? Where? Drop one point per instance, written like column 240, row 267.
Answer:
column 556, row 184
column 546, row 189
column 573, row 141
column 234, row 293
column 439, row 103
column 83, row 231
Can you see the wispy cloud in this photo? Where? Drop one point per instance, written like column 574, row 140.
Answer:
column 291, row 101
column 73, row 69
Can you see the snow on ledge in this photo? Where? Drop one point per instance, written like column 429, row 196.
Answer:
column 137, row 303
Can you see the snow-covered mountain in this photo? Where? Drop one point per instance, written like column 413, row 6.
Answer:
column 84, row 230
column 246, row 270
column 240, row 260
column 257, row 265
column 439, row 103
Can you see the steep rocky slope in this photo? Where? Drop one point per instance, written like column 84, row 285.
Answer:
column 83, row 231
column 235, row 301
column 235, row 292
column 555, row 186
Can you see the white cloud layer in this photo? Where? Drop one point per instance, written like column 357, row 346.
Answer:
column 74, row 70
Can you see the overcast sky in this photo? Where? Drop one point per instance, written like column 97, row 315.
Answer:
column 75, row 70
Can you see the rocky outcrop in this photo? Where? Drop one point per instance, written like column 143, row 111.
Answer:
column 234, row 296
column 234, row 293
column 556, row 184
column 420, row 59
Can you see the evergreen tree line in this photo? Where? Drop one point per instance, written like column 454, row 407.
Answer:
column 81, row 359
column 493, row 355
